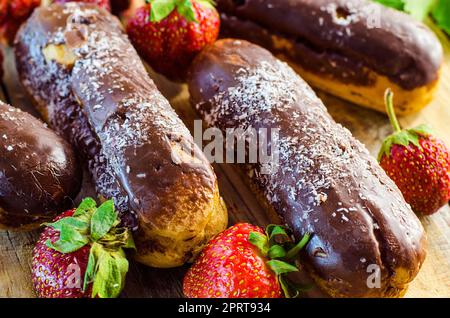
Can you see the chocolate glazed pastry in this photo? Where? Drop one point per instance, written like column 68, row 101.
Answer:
column 354, row 49
column 90, row 85
column 39, row 173
column 325, row 181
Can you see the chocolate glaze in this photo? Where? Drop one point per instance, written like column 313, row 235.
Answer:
column 39, row 173
column 326, row 183
column 109, row 108
column 340, row 38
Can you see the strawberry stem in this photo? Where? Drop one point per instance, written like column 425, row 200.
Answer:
column 389, row 101
column 296, row 249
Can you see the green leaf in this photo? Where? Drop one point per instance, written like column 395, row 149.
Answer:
column 284, row 287
column 130, row 242
column 277, row 230
column 403, row 138
column 441, row 14
column 103, row 220
column 91, row 266
column 396, row 4
column 69, row 222
column 260, row 241
column 70, row 239
column 160, row 9
column 269, row 229
column 291, row 289
column 422, row 130
column 297, row 248
column 419, row 9
column 276, row 251
column 186, row 9
column 280, row 267
column 109, row 277
column 88, row 205
column 67, row 246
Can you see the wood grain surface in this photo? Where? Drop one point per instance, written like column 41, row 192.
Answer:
column 368, row 126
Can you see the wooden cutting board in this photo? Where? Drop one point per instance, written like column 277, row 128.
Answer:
column 368, row 126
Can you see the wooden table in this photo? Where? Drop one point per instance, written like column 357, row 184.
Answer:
column 368, row 126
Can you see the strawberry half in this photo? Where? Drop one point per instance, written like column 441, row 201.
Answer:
column 168, row 34
column 418, row 163
column 81, row 254
column 245, row 262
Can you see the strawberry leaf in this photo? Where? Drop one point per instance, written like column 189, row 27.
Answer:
column 276, row 230
column 109, row 273
column 87, row 206
column 70, row 241
column 423, row 130
column 90, row 268
column 260, row 241
column 399, row 137
column 160, row 9
column 103, row 220
column 276, row 251
column 291, row 289
column 284, row 287
column 186, row 9
column 280, row 267
column 69, row 222
column 292, row 253
column 402, row 138
column 273, row 245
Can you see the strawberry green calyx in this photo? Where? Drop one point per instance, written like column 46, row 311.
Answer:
column 282, row 252
column 100, row 228
column 160, row 9
column 400, row 137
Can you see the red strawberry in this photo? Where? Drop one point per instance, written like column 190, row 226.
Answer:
column 418, row 163
column 242, row 262
column 105, row 4
column 50, row 267
column 169, row 33
column 81, row 254
column 12, row 14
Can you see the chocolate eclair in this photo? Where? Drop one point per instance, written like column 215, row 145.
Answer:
column 366, row 241
column 39, row 172
column 90, row 85
column 354, row 49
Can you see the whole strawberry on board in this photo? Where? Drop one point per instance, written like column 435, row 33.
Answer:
column 168, row 34
column 418, row 163
column 12, row 14
column 81, row 254
column 105, row 4
column 245, row 262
